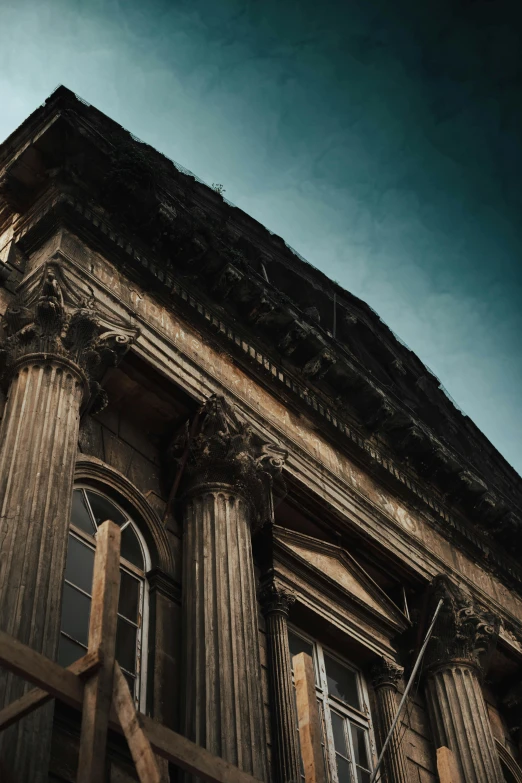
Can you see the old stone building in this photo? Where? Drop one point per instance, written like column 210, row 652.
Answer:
column 287, row 475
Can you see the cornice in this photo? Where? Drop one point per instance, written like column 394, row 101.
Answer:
column 300, row 566
column 341, row 612
column 64, row 209
column 163, row 583
column 171, row 226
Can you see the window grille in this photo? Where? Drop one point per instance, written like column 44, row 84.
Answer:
column 90, row 509
column 345, row 716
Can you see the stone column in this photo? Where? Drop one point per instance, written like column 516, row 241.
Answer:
column 49, row 355
column 386, row 675
column 275, row 605
column 227, row 492
column 456, row 659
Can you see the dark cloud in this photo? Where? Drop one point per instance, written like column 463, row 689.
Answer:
column 382, row 140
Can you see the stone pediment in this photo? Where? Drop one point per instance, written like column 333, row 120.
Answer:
column 332, row 566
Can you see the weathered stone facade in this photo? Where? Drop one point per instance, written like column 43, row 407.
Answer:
column 295, row 477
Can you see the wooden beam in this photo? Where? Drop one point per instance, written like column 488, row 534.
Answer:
column 40, row 671
column 102, row 638
column 139, row 745
column 37, row 697
column 447, row 768
column 310, row 732
column 191, row 757
column 68, row 687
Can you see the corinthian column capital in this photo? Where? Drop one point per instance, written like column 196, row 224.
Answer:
column 49, row 321
column 226, row 453
column 465, row 630
column 386, row 673
column 274, row 598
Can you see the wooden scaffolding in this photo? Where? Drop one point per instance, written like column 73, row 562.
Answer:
column 95, row 685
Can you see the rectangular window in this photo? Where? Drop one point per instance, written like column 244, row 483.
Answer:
column 342, row 698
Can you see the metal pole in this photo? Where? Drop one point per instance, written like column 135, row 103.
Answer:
column 406, row 691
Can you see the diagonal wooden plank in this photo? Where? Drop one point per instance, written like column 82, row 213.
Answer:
column 309, row 719
column 39, row 670
column 37, row 697
column 68, row 687
column 191, row 757
column 102, row 638
column 139, row 745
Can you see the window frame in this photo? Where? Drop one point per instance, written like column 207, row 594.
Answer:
column 140, row 695
column 329, row 703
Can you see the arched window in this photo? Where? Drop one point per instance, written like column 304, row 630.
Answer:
column 510, row 769
column 90, row 509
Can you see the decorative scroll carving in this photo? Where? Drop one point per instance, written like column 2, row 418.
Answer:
column 226, row 451
column 49, row 319
column 386, row 673
column 465, row 631
column 274, row 598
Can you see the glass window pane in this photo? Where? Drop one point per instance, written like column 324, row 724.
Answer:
column 129, row 596
column 131, row 548
column 338, row 733
column 131, row 682
column 126, row 645
column 103, row 509
column 76, row 608
column 80, row 564
column 69, row 652
column 363, row 776
column 342, row 682
column 298, row 645
column 343, row 770
column 359, row 745
column 79, row 514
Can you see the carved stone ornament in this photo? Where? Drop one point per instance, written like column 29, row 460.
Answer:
column 48, row 320
column 317, row 367
column 274, row 598
column 465, row 631
column 386, row 673
column 226, row 451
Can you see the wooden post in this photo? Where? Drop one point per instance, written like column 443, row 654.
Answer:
column 63, row 684
column 447, row 766
column 309, row 719
column 102, row 639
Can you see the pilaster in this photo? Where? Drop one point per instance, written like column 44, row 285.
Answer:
column 275, row 605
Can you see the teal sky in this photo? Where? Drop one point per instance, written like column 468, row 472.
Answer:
column 382, row 140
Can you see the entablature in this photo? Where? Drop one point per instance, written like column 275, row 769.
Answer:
column 200, row 256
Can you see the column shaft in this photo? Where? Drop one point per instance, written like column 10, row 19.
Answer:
column 223, row 709
column 386, row 675
column 283, row 711
column 460, row 721
column 395, row 762
column 456, row 659
column 38, row 442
